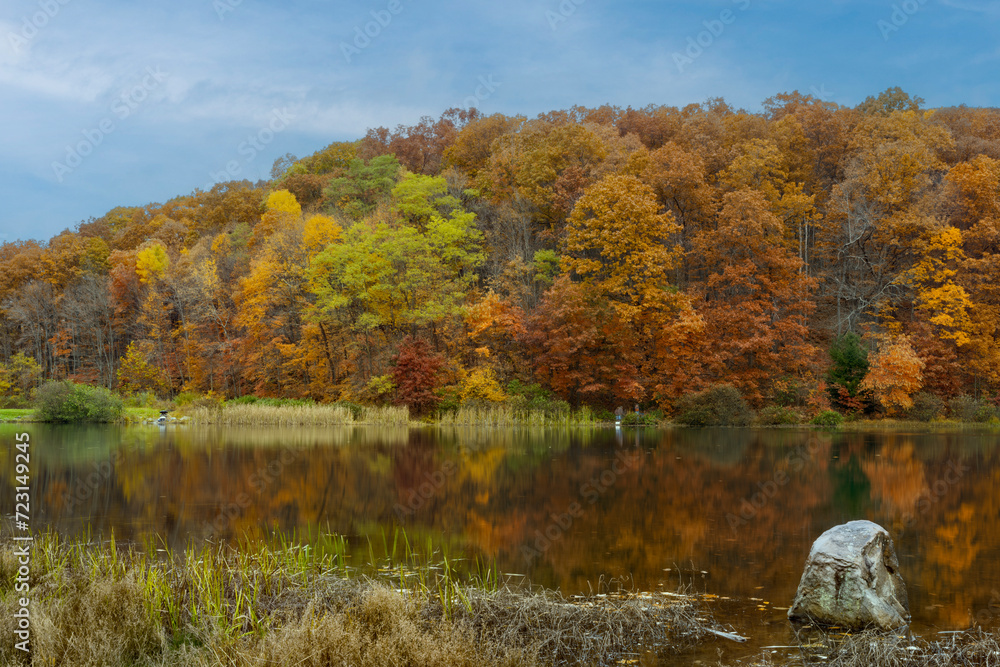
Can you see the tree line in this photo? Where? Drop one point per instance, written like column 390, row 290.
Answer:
column 809, row 255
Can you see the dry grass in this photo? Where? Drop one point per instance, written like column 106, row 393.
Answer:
column 973, row 648
column 500, row 416
column 607, row 629
column 104, row 605
column 298, row 415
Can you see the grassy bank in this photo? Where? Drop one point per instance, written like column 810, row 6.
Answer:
column 15, row 414
column 130, row 415
column 292, row 605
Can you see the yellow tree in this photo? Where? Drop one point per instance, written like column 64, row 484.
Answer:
column 617, row 240
column 940, row 300
column 978, row 186
column 151, row 261
column 283, row 351
column 282, row 210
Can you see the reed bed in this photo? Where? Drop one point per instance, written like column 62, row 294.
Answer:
column 290, row 604
column 300, row 415
column 502, row 416
column 972, row 648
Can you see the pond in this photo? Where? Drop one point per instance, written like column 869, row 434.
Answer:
column 730, row 512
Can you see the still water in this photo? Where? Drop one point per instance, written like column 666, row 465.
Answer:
column 729, row 512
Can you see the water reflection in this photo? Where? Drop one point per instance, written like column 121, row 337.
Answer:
column 565, row 507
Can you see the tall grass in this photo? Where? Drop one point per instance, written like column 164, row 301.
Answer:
column 254, row 414
column 297, row 603
column 501, row 416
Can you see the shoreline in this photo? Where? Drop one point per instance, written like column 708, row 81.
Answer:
column 293, row 416
column 114, row 604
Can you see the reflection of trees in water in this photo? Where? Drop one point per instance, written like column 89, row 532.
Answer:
column 897, row 480
column 503, row 488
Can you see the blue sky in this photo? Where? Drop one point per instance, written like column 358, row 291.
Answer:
column 106, row 103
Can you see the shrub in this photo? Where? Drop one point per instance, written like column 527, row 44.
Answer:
column 969, row 409
column 70, row 402
column 926, row 407
column 777, row 415
column 144, row 399
column 526, row 398
column 986, row 413
column 604, row 415
column 721, row 405
column 640, row 419
column 379, row 389
column 447, row 398
column 828, row 418
column 480, row 386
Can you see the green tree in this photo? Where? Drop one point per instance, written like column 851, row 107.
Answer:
column 358, row 192
column 850, row 365
column 419, row 198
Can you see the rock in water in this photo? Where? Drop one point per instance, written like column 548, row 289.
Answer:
column 852, row 580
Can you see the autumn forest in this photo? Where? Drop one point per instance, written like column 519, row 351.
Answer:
column 609, row 256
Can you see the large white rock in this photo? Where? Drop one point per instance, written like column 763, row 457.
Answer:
column 852, row 580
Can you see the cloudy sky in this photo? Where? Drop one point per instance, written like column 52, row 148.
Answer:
column 106, row 103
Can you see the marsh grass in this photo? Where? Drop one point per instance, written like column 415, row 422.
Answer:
column 297, row 604
column 972, row 648
column 501, row 416
column 255, row 414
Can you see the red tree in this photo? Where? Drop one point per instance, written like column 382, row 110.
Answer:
column 414, row 375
